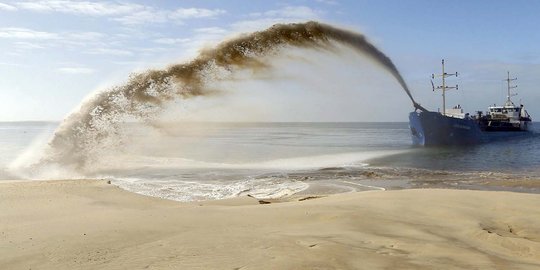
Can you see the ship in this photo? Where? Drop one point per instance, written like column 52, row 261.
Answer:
column 453, row 127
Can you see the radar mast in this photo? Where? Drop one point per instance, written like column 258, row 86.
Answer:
column 443, row 87
column 510, row 87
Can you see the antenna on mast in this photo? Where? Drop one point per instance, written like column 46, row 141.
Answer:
column 510, row 87
column 443, row 87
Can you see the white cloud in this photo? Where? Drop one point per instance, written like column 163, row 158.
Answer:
column 25, row 33
column 211, row 30
column 300, row 12
column 151, row 50
column 191, row 13
column 143, row 16
column 172, row 41
column 287, row 14
column 125, row 13
column 7, row 7
column 13, row 64
column 28, row 45
column 127, row 63
column 80, row 7
column 151, row 15
column 23, row 39
column 65, row 37
column 328, row 2
column 85, row 36
column 109, row 51
column 76, row 70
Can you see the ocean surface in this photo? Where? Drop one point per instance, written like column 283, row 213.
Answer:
column 205, row 161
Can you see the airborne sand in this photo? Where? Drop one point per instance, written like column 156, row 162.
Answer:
column 95, row 125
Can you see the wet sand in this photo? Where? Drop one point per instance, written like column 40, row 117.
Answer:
column 94, row 225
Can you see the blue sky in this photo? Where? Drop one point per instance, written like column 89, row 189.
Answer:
column 55, row 53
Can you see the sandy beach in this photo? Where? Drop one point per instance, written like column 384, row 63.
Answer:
column 91, row 224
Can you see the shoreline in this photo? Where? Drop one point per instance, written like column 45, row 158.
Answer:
column 89, row 224
column 330, row 181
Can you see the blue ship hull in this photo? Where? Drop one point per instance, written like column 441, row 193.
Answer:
column 433, row 128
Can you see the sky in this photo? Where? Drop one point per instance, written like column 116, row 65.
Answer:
column 54, row 53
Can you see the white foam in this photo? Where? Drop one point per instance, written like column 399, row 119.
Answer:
column 181, row 190
column 205, row 188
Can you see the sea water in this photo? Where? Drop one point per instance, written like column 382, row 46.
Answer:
column 204, row 161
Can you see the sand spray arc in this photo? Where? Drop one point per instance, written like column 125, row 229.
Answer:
column 95, row 124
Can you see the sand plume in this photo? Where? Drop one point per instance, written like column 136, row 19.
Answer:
column 95, row 125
